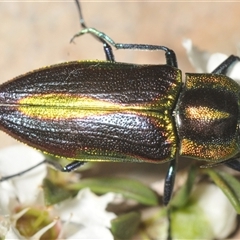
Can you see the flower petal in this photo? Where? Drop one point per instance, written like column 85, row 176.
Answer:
column 93, row 232
column 197, row 58
column 205, row 62
column 16, row 159
column 87, row 209
column 13, row 234
column 7, row 193
column 217, row 208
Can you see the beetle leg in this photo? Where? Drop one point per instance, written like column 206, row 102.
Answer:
column 72, row 166
column 233, row 163
column 68, row 168
column 170, row 55
column 169, row 181
column 81, row 19
column 226, row 65
column 168, row 189
column 23, row 172
column 108, row 52
column 106, row 47
column 169, row 230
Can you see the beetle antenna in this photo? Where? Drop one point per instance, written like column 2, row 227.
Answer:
column 82, row 21
column 106, row 47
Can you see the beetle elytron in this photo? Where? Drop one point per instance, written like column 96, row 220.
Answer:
column 110, row 111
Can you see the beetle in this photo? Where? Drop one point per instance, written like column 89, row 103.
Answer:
column 122, row 112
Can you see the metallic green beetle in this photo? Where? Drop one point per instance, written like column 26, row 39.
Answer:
column 110, row 111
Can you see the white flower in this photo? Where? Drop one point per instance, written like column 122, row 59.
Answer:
column 18, row 193
column 205, row 62
column 16, row 159
column 87, row 212
column 83, row 216
column 218, row 210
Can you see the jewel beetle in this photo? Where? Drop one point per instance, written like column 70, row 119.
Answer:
column 122, row 112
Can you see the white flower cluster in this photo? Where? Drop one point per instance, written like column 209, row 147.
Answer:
column 81, row 217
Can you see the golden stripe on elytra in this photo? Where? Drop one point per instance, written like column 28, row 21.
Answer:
column 203, row 113
column 69, row 106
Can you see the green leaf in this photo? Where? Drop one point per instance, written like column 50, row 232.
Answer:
column 190, row 222
column 125, row 225
column 229, row 185
column 127, row 187
column 53, row 193
column 182, row 196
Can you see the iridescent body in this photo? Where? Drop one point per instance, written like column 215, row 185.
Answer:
column 95, row 111
column 108, row 111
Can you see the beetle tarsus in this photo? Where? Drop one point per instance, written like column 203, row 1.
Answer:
column 72, row 166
